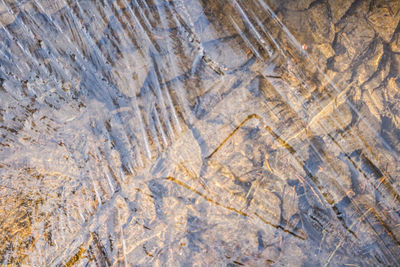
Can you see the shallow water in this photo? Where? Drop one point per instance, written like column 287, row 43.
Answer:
column 185, row 132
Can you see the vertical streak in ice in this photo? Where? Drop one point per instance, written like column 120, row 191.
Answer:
column 29, row 32
column 94, row 186
column 80, row 213
column 137, row 22
column 109, row 181
column 164, row 112
column 152, row 126
column 68, row 220
column 137, row 154
column 246, row 18
column 141, row 125
column 245, row 39
column 62, row 225
column 173, row 111
column 122, row 238
column 158, row 123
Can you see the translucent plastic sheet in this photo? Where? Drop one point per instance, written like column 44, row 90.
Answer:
column 182, row 132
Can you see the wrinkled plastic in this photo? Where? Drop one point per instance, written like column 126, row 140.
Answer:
column 182, row 132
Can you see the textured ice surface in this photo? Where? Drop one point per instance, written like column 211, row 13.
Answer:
column 183, row 132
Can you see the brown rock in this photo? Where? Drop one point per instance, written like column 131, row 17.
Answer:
column 299, row 25
column 297, row 4
column 274, row 4
column 372, row 79
column 326, row 49
column 321, row 27
column 338, row 8
column 341, row 64
column 373, row 103
column 384, row 19
column 354, row 37
column 395, row 45
column 358, row 32
column 370, row 66
column 396, row 63
column 321, row 53
column 393, row 88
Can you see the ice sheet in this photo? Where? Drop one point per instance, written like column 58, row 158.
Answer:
column 183, row 132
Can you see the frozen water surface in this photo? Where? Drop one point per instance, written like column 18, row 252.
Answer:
column 189, row 132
